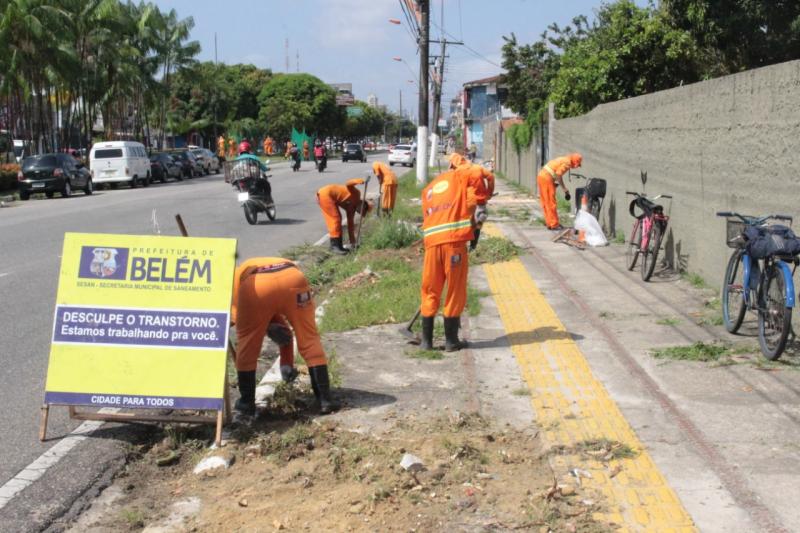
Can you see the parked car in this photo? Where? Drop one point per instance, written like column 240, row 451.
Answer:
column 120, row 161
column 203, row 159
column 404, row 154
column 51, row 173
column 189, row 163
column 354, row 151
column 163, row 167
column 215, row 166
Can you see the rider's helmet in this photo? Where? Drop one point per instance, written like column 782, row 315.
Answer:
column 244, row 147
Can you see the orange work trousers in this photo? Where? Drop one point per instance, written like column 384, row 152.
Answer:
column 388, row 195
column 547, row 197
column 262, row 297
column 332, row 216
column 445, row 263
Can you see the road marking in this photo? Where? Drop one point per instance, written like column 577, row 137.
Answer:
column 573, row 406
column 4, row 274
column 51, row 457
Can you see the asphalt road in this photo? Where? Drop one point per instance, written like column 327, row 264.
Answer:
column 31, row 238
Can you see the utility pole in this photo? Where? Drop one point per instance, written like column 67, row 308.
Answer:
column 216, row 93
column 400, row 131
column 422, row 126
column 437, row 105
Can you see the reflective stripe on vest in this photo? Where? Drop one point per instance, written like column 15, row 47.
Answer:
column 551, row 172
column 446, row 227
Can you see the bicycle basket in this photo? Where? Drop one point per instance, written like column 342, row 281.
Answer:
column 735, row 229
column 596, row 188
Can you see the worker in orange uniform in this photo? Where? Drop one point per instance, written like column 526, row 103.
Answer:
column 482, row 182
column 388, row 184
column 231, row 148
column 305, row 150
column 265, row 289
column 448, row 203
column 221, row 147
column 267, row 146
column 549, row 177
column 333, row 197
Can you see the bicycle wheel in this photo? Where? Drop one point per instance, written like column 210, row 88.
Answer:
column 774, row 318
column 733, row 307
column 632, row 253
column 650, row 255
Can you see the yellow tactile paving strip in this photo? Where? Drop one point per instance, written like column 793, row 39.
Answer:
column 573, row 406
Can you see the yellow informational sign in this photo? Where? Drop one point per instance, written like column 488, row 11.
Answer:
column 141, row 322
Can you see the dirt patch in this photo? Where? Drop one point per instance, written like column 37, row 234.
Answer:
column 319, row 475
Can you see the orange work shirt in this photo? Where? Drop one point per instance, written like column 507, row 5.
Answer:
column 346, row 197
column 475, row 175
column 384, row 173
column 557, row 167
column 447, row 205
column 252, row 266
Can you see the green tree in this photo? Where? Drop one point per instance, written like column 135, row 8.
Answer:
column 737, row 35
column 299, row 101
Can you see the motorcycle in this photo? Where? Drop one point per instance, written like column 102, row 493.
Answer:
column 296, row 161
column 255, row 191
column 322, row 163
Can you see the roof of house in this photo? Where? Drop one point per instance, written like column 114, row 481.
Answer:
column 500, row 78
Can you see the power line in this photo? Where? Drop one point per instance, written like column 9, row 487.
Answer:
column 469, row 48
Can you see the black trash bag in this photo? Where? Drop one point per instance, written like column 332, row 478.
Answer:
column 766, row 241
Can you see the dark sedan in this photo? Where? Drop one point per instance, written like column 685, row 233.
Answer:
column 353, row 151
column 163, row 167
column 189, row 163
column 51, row 173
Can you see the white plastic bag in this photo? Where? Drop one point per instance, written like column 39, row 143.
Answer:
column 585, row 222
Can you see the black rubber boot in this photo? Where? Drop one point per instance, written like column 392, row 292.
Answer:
column 336, row 246
column 322, row 389
column 451, row 342
column 246, row 404
column 426, row 342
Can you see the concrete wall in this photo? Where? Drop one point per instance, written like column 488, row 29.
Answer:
column 518, row 167
column 732, row 143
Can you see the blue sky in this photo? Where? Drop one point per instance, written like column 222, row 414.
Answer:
column 352, row 40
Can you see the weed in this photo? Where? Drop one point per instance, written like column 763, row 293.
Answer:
column 696, row 280
column 513, row 184
column 388, row 233
column 298, row 251
column 521, row 391
column 606, row 449
column 430, row 355
column 619, row 238
column 538, row 221
column 494, row 250
column 698, row 351
column 669, row 321
column 563, row 205
column 135, row 518
column 474, row 301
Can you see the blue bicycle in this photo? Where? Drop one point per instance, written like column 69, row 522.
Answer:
column 762, row 285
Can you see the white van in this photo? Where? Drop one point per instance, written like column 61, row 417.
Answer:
column 120, row 161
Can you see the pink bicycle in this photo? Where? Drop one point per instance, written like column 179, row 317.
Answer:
column 649, row 227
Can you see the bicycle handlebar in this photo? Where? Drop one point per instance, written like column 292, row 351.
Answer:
column 639, row 195
column 751, row 220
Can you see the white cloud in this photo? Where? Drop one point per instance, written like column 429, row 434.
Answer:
column 356, row 23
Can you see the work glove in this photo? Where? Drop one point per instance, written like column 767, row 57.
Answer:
column 567, row 196
column 481, row 214
column 279, row 334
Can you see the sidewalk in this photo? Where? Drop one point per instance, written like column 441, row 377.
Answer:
column 722, row 437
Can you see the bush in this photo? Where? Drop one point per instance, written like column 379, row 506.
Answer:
column 391, row 234
column 521, row 135
column 8, row 176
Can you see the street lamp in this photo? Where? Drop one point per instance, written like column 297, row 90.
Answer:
column 395, row 21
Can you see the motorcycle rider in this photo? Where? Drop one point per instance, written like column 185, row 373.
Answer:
column 246, row 155
column 320, row 154
column 294, row 153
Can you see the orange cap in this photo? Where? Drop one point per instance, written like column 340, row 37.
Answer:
column 355, row 182
column 575, row 160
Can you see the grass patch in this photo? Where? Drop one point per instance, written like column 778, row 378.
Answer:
column 474, row 300
column 696, row 280
column 494, row 250
column 429, row 355
column 513, row 184
column 619, row 238
column 668, row 321
column 134, row 518
column 563, row 205
column 521, row 391
column 388, row 233
column 699, row 351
